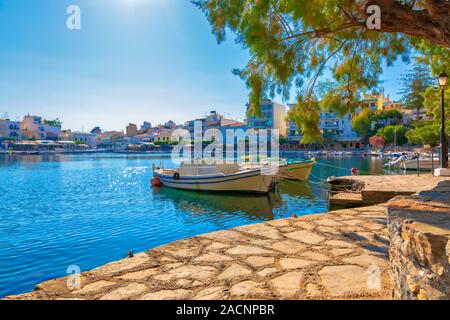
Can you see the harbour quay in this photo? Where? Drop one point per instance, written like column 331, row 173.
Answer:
column 394, row 250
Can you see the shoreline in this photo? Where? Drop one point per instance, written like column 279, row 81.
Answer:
column 309, row 257
column 331, row 255
column 287, row 152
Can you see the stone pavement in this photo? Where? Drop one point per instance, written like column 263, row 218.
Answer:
column 409, row 183
column 338, row 255
column 380, row 189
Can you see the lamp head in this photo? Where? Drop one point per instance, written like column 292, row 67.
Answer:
column 442, row 79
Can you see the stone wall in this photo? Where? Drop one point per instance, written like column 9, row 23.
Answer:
column 419, row 232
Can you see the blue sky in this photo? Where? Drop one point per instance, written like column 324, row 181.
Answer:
column 133, row 60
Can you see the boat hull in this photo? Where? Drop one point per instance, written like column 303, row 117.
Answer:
column 424, row 164
column 298, row 170
column 247, row 182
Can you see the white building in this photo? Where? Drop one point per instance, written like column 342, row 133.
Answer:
column 9, row 130
column 212, row 121
column 337, row 131
column 89, row 139
column 411, row 115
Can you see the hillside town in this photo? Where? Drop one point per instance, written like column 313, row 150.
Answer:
column 37, row 134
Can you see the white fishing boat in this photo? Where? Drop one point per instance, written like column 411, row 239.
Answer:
column 216, row 177
column 423, row 164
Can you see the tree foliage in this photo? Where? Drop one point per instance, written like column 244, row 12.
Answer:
column 294, row 43
column 414, row 83
column 377, row 142
column 362, row 122
column 393, row 134
column 368, row 122
column 426, row 133
column 432, row 102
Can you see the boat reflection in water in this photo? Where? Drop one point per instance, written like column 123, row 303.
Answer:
column 255, row 207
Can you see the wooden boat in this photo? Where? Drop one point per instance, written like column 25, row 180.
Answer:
column 287, row 169
column 216, row 177
column 298, row 170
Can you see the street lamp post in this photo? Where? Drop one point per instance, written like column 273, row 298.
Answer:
column 442, row 79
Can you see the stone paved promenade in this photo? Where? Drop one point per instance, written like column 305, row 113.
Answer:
column 341, row 254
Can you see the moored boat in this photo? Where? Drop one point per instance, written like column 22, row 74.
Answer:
column 216, row 177
column 422, row 164
column 298, row 170
column 287, row 169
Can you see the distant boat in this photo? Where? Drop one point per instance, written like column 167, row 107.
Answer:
column 216, row 177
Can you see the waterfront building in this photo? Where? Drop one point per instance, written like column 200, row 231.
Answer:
column 273, row 117
column 52, row 129
column 373, row 101
column 108, row 138
column 9, row 130
column 32, row 128
column 337, row 131
column 411, row 115
column 212, row 121
column 144, row 138
column 89, row 139
column 65, row 135
column 145, row 127
column 393, row 105
column 36, row 128
column 131, row 130
column 163, row 136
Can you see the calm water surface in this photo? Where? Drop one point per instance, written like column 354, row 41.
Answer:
column 88, row 210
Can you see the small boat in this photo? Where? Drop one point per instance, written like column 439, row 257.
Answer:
column 286, row 169
column 298, row 170
column 216, row 177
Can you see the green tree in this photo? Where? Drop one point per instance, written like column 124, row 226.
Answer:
column 432, row 101
column 362, row 123
column 292, row 43
column 393, row 134
column 428, row 133
column 414, row 83
column 394, row 115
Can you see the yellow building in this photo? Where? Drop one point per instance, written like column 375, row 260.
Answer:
column 373, row 101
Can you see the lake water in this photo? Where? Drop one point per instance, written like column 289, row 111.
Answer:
column 88, row 210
